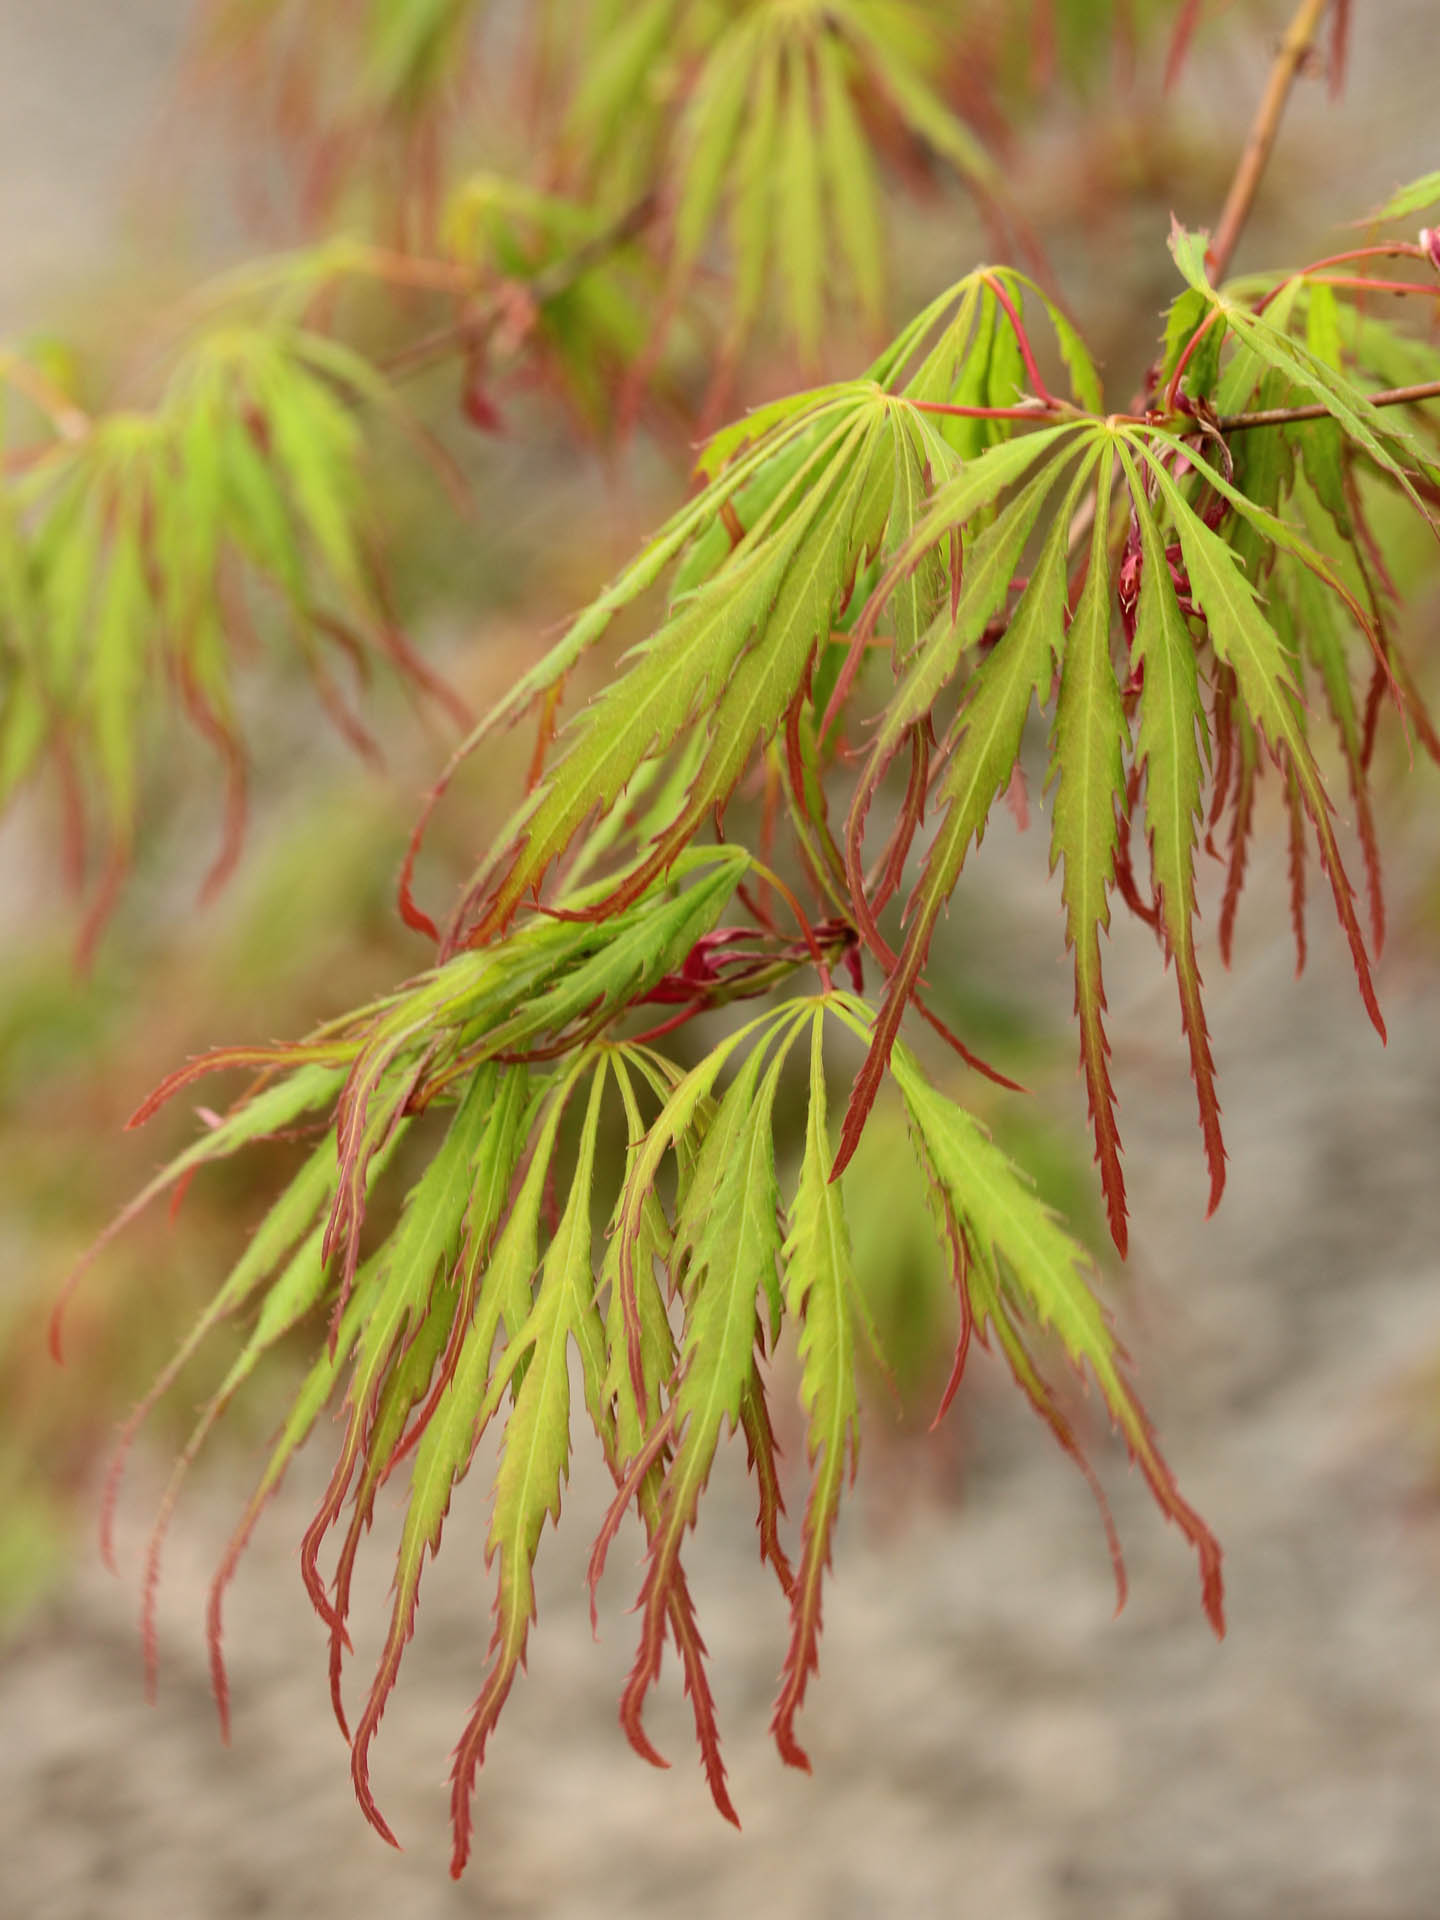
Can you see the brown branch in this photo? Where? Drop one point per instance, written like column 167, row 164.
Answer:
column 430, row 348
column 1283, row 416
column 1298, row 41
column 410, row 270
column 560, row 277
column 475, row 326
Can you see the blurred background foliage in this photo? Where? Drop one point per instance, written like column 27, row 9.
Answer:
column 526, row 424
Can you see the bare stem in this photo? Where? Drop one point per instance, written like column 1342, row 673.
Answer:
column 1299, row 39
column 1283, row 416
column 475, row 326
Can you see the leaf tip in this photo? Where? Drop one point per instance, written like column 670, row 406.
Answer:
column 1217, row 1185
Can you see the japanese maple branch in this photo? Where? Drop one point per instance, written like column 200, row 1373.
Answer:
column 1298, row 41
column 1283, row 416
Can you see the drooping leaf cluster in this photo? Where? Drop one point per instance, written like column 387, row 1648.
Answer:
column 1169, row 587
column 895, row 475
column 1320, row 346
column 380, row 87
column 764, row 137
column 492, row 1291
column 141, row 549
column 753, row 132
column 133, row 542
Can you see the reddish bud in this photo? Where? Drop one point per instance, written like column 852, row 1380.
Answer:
column 1127, row 588
column 475, row 400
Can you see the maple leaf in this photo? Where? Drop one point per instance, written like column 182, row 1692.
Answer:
column 1087, row 765
column 819, row 1285
column 1171, row 746
column 1018, row 1249
column 727, row 1243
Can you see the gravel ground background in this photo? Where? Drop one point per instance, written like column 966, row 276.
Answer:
column 987, row 1738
